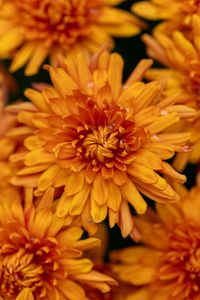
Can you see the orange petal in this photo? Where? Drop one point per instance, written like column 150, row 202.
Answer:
column 25, row 294
column 132, row 195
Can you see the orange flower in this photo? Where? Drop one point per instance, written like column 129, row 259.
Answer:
column 183, row 78
column 35, row 29
column 118, row 292
column 175, row 14
column 41, row 257
column 167, row 266
column 101, row 141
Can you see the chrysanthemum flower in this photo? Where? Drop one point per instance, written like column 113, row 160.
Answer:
column 183, row 78
column 167, row 266
column 32, row 30
column 101, row 141
column 175, row 14
column 41, row 257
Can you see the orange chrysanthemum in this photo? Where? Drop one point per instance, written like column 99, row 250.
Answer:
column 35, row 29
column 101, row 141
column 168, row 264
column 176, row 14
column 41, row 257
column 183, row 78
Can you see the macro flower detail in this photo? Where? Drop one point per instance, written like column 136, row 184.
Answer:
column 41, row 257
column 35, row 29
column 99, row 142
column 174, row 14
column 167, row 265
column 182, row 78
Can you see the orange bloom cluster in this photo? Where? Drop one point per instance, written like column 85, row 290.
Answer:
column 182, row 78
column 40, row 256
column 175, row 14
column 89, row 147
column 32, row 30
column 167, row 265
column 95, row 137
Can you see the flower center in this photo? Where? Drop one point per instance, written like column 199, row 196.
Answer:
column 104, row 137
column 18, row 271
column 60, row 21
column 193, row 80
column 30, row 266
column 182, row 261
column 96, row 138
column 102, row 143
column 193, row 264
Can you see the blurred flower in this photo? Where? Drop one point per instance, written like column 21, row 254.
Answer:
column 183, row 78
column 167, row 266
column 7, row 145
column 175, row 14
column 7, row 86
column 7, row 121
column 117, row 293
column 41, row 257
column 35, row 29
column 101, row 141
column 97, row 255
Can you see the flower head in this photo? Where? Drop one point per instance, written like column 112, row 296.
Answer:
column 175, row 14
column 35, row 29
column 41, row 257
column 182, row 78
column 101, row 142
column 167, row 266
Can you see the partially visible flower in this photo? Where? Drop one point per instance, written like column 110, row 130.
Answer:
column 167, row 266
column 97, row 255
column 7, row 145
column 35, row 29
column 175, row 14
column 101, row 142
column 182, row 57
column 7, row 85
column 7, row 121
column 6, row 172
column 41, row 257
